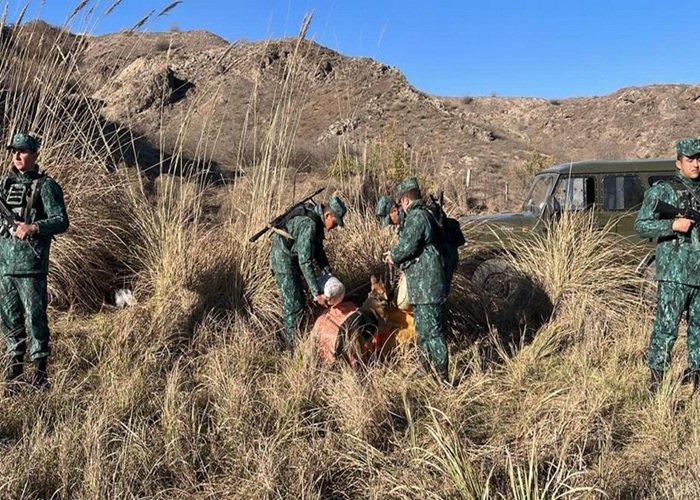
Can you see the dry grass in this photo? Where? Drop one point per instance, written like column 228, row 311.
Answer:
column 186, row 395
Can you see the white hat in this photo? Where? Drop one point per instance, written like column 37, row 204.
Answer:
column 333, row 289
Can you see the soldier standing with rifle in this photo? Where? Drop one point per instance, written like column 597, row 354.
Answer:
column 417, row 254
column 35, row 202
column 677, row 263
column 296, row 243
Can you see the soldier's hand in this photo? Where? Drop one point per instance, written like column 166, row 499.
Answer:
column 387, row 257
column 682, row 225
column 321, row 299
column 25, row 231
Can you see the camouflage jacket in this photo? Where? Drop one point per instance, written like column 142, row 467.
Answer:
column 417, row 255
column 677, row 255
column 287, row 256
column 48, row 212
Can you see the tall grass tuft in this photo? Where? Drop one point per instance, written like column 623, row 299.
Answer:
column 186, row 394
column 575, row 260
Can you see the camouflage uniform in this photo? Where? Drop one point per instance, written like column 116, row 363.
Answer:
column 450, row 253
column 24, row 264
column 418, row 256
column 677, row 267
column 290, row 260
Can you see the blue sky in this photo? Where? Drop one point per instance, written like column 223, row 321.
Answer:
column 547, row 48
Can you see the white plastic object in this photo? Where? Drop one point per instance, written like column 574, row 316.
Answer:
column 402, row 300
column 333, row 289
column 124, row 297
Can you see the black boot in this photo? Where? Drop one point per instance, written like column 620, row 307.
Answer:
column 657, row 376
column 13, row 374
column 41, row 378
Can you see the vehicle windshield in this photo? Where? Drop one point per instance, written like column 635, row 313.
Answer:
column 539, row 190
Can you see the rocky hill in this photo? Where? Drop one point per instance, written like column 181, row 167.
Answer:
column 160, row 81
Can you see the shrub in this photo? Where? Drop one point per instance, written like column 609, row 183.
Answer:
column 522, row 173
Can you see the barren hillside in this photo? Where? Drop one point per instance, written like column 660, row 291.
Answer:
column 143, row 80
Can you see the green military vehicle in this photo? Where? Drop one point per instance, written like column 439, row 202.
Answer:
column 614, row 189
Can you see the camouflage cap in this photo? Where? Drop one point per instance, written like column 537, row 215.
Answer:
column 408, row 184
column 384, row 204
column 24, row 141
column 338, row 208
column 688, row 147
column 383, row 210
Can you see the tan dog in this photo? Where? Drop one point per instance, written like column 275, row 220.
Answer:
column 362, row 327
column 377, row 301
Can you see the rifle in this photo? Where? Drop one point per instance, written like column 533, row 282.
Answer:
column 8, row 221
column 277, row 220
column 437, row 203
column 667, row 211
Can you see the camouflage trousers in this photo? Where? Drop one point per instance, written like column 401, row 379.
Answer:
column 23, row 303
column 292, row 294
column 673, row 299
column 430, row 331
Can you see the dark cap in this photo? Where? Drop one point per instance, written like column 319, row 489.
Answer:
column 383, row 209
column 24, row 141
column 406, row 185
column 338, row 208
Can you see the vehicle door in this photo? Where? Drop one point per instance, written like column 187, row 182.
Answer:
column 575, row 192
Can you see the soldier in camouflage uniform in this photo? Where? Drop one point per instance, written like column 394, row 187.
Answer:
column 295, row 247
column 37, row 201
column 677, row 263
column 418, row 256
column 388, row 212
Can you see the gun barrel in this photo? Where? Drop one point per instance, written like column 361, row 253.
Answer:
column 257, row 235
column 274, row 221
column 691, row 213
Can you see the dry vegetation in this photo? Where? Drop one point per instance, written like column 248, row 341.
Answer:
column 186, row 395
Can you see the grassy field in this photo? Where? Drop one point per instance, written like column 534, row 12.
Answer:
column 188, row 395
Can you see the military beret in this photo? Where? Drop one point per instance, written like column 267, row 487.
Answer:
column 688, row 147
column 338, row 208
column 24, row 141
column 408, row 184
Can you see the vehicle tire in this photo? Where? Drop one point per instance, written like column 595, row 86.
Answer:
column 496, row 279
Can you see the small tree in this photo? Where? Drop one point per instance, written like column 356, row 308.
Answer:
column 521, row 174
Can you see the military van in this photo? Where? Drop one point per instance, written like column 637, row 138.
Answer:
column 613, row 189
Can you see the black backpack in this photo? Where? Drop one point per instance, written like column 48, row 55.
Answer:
column 306, row 208
column 450, row 230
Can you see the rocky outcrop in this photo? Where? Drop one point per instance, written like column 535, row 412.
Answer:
column 155, row 81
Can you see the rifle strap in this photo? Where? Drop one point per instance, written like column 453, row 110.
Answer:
column 681, row 190
column 36, row 189
column 282, row 233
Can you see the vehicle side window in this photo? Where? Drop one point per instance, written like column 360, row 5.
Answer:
column 575, row 193
column 622, row 192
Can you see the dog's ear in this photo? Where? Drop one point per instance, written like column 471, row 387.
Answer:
column 373, row 279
